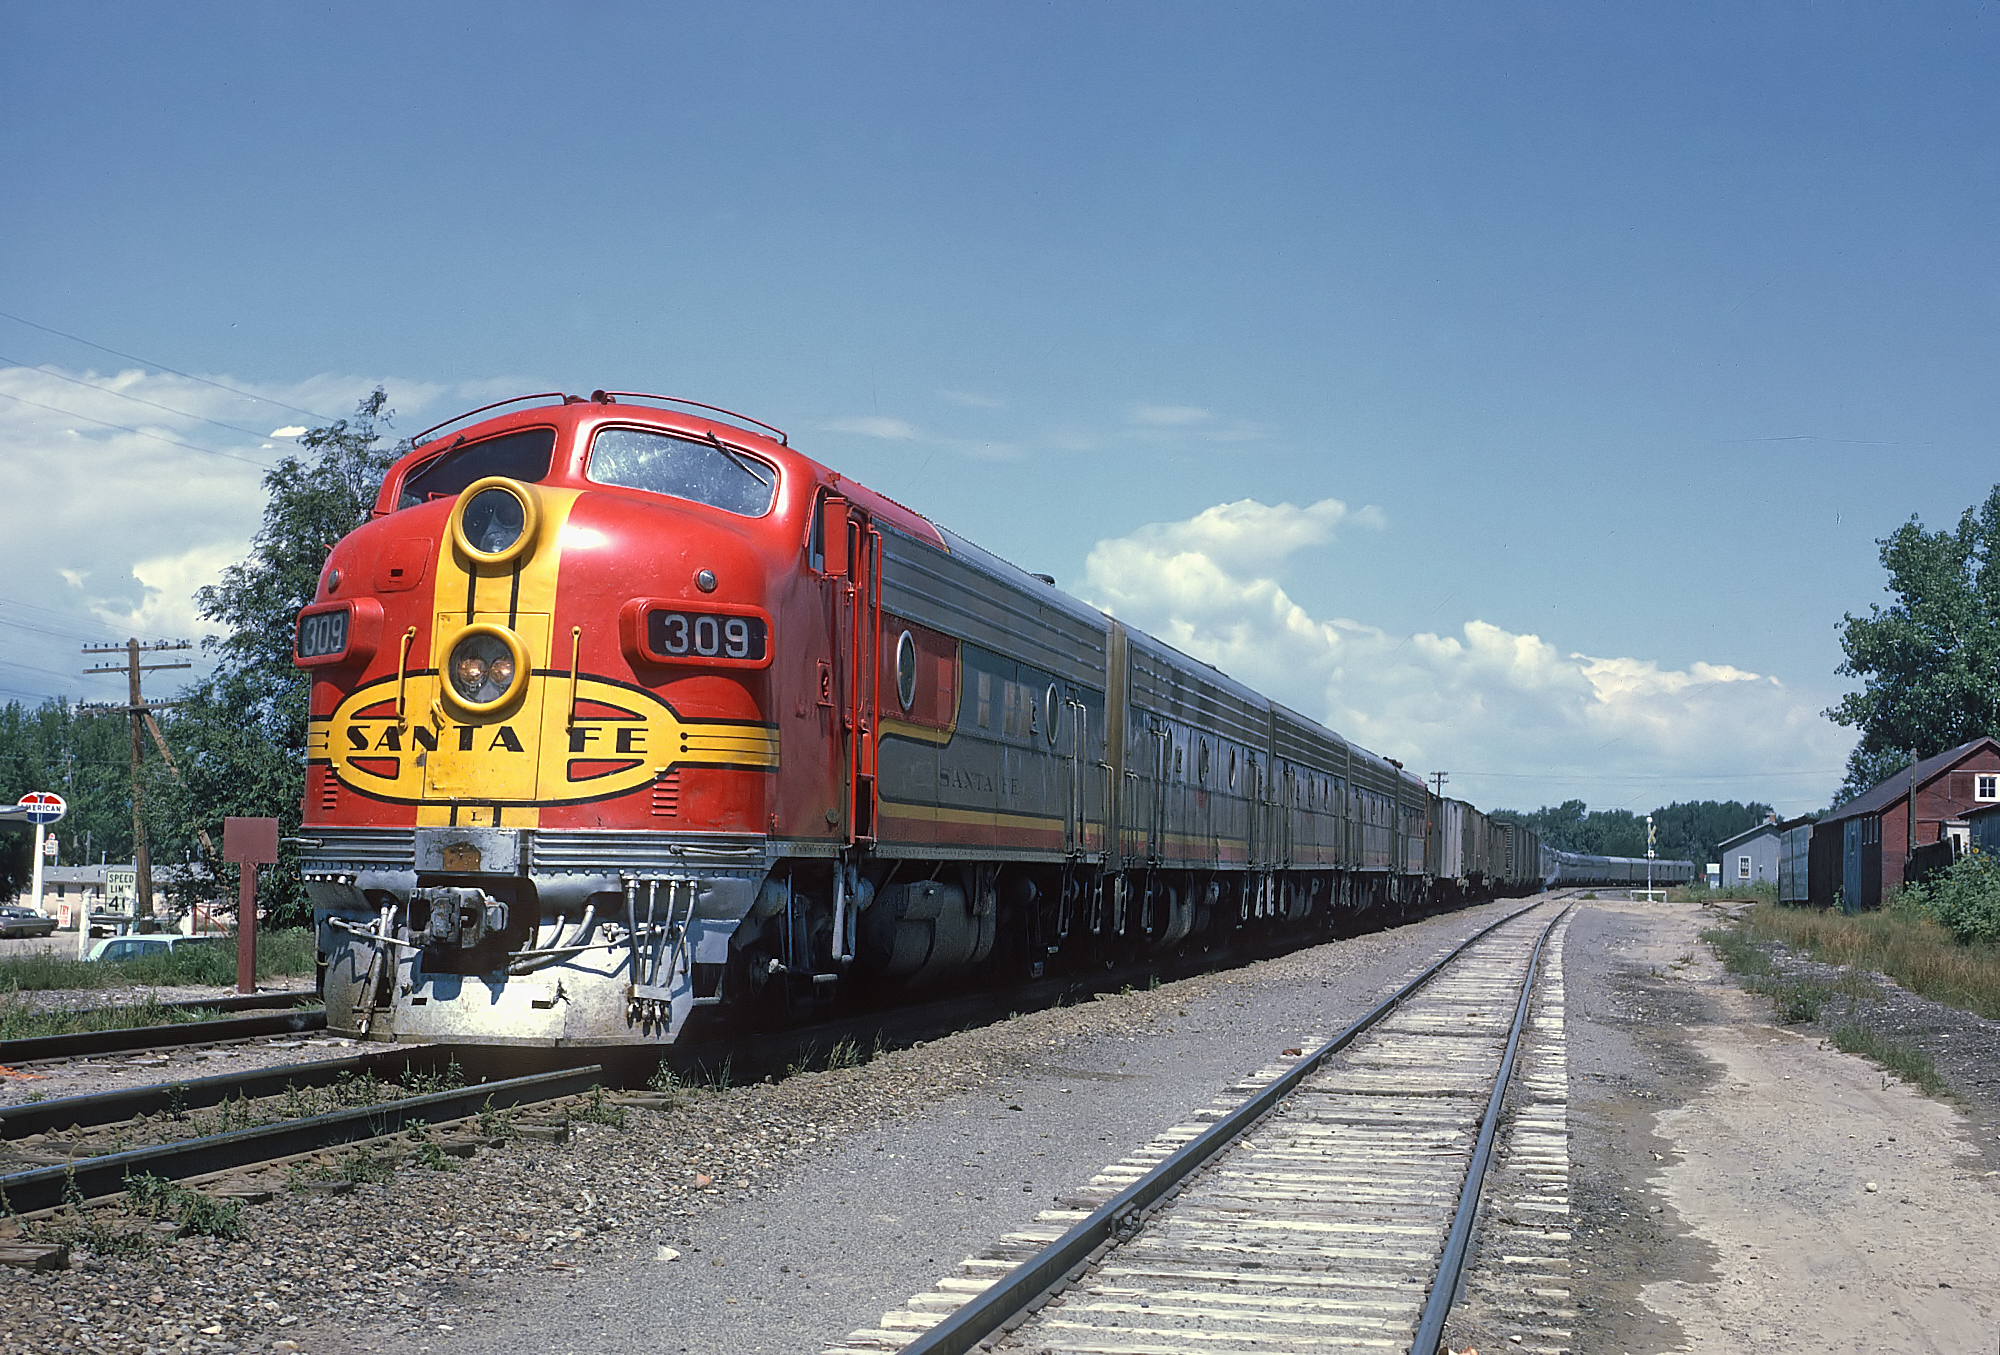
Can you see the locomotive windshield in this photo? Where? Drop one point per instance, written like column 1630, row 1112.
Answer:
column 683, row 468
column 518, row 456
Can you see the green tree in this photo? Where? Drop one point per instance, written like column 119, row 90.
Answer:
column 83, row 757
column 240, row 734
column 1690, row 831
column 1681, row 832
column 1929, row 662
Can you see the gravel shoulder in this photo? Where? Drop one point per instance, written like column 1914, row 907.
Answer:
column 790, row 1213
column 1744, row 1186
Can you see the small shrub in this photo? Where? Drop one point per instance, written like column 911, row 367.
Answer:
column 1964, row 899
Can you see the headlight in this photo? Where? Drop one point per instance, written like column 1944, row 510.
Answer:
column 495, row 519
column 485, row 668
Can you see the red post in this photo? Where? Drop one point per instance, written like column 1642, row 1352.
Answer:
column 250, row 843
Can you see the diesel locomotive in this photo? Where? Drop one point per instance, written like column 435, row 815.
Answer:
column 621, row 708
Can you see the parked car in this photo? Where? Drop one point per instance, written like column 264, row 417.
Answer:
column 139, row 947
column 18, row 921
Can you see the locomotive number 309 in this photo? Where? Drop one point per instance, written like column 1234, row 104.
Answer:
column 702, row 635
column 322, row 633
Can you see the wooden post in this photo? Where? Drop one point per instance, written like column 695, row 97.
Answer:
column 250, row 843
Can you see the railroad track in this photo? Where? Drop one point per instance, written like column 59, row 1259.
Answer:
column 87, row 1175
column 297, row 1013
column 1330, row 1208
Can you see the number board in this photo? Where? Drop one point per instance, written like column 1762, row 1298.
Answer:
column 322, row 633
column 680, row 636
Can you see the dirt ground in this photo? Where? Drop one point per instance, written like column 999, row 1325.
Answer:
column 1739, row 1186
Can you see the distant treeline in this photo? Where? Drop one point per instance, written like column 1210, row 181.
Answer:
column 1683, row 832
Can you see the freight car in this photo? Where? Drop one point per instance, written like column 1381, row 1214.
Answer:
column 622, row 708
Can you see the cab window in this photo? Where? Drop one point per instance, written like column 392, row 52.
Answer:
column 518, row 456
column 683, row 468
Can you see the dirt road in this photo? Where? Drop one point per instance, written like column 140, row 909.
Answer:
column 1742, row 1187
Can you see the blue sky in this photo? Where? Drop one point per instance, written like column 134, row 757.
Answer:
column 1624, row 330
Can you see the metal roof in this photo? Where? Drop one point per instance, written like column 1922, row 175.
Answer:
column 1766, row 827
column 1895, row 787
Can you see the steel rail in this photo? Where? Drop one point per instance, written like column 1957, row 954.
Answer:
column 978, row 1318
column 77, row 1044
column 1457, row 1243
column 95, row 1177
column 128, row 1103
column 233, row 1002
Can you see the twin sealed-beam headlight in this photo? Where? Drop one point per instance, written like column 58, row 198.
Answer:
column 485, row 668
column 495, row 520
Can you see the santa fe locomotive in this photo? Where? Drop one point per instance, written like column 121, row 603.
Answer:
column 622, row 708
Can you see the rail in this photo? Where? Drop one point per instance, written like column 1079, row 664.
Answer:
column 104, row 1175
column 999, row 1303
column 78, row 1044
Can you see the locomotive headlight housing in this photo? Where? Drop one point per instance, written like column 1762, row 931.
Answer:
column 495, row 520
column 485, row 668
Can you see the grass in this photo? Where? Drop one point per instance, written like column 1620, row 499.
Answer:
column 19, row 1022
column 1912, row 1065
column 1915, row 952
column 291, row 953
column 1764, row 892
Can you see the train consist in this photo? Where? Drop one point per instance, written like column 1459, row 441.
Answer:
column 1572, row 868
column 623, row 708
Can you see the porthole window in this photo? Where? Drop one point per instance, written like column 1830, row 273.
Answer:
column 1232, row 769
column 1201, row 762
column 1049, row 715
column 906, row 669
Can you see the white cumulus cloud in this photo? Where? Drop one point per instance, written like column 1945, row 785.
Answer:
column 873, row 426
column 125, row 492
column 1516, row 718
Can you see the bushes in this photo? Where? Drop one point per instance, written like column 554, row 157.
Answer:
column 1964, row 900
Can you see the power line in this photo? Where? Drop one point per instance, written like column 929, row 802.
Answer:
column 150, row 404
column 30, row 668
column 76, row 338
column 137, row 432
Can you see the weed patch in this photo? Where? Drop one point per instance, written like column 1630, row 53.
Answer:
column 600, row 1109
column 1911, row 1065
column 290, row 953
column 1736, row 951
column 1911, row 948
column 195, row 1213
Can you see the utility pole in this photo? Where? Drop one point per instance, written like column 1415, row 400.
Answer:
column 1440, row 778
column 140, row 717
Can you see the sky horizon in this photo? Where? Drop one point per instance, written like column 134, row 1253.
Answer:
column 1522, row 394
